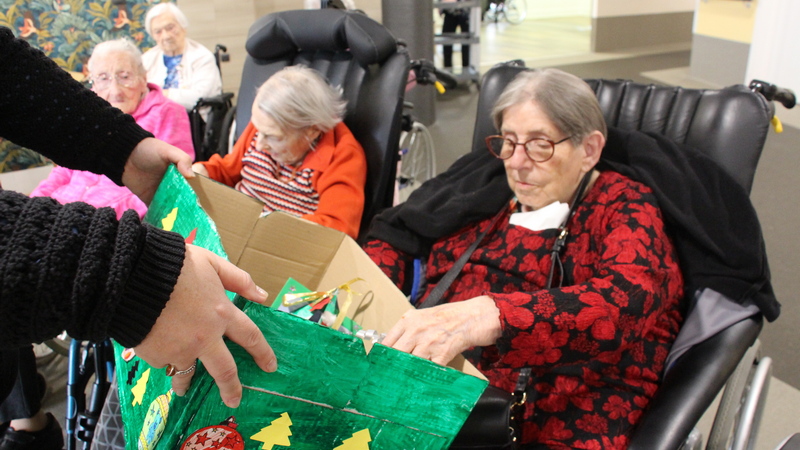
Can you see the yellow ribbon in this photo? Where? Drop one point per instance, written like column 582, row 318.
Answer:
column 312, row 298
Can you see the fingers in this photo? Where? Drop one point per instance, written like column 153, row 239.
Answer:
column 181, row 159
column 181, row 382
column 199, row 168
column 237, row 280
column 220, row 364
column 185, row 168
column 244, row 332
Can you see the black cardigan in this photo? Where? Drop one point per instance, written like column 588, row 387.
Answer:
column 708, row 214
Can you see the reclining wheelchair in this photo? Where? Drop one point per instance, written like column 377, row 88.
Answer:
column 730, row 126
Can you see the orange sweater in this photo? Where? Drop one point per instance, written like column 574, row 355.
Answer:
column 339, row 175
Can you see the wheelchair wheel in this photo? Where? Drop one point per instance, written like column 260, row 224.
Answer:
column 516, row 11
column 417, row 163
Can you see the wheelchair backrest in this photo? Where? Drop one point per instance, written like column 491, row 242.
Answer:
column 353, row 52
column 729, row 125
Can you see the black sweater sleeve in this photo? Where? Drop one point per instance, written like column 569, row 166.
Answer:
column 76, row 268
column 43, row 108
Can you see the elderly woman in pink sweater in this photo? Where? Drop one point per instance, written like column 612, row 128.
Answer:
column 118, row 76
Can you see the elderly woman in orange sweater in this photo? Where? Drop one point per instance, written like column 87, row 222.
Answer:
column 296, row 155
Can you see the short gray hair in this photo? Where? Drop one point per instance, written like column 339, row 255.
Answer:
column 122, row 45
column 162, row 8
column 566, row 99
column 297, row 97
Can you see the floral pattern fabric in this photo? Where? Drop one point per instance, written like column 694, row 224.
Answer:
column 597, row 345
column 67, row 31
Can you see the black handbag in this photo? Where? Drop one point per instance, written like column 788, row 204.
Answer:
column 495, row 422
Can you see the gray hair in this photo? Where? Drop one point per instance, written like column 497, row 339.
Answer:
column 121, row 45
column 297, row 97
column 162, row 8
column 566, row 99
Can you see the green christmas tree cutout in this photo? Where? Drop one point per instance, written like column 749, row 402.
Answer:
column 359, row 441
column 276, row 434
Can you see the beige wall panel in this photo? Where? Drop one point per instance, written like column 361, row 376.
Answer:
column 614, row 8
column 726, row 19
column 610, row 34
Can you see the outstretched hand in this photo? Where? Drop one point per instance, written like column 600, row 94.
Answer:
column 147, row 163
column 198, row 315
column 442, row 332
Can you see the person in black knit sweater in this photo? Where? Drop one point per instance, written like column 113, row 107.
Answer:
column 76, row 268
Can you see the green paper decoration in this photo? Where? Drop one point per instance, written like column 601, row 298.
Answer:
column 327, row 393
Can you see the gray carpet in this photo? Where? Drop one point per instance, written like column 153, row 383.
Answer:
column 773, row 193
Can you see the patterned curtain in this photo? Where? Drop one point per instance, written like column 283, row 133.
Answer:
column 67, row 31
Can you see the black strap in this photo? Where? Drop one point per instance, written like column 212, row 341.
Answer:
column 436, row 294
column 561, row 240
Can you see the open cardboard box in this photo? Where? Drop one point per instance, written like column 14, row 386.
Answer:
column 273, row 248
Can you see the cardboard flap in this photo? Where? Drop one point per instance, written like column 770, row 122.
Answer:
column 283, row 246
column 234, row 213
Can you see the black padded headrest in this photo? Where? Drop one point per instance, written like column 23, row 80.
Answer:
column 290, row 32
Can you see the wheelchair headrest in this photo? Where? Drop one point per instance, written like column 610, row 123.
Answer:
column 286, row 33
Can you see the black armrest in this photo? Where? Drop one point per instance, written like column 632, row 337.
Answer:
column 691, row 385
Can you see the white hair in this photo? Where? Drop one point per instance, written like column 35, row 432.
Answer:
column 162, row 8
column 297, row 97
column 122, row 45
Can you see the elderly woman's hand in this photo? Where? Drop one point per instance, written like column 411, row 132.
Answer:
column 442, row 332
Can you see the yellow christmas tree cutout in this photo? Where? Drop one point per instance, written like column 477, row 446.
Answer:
column 168, row 222
column 359, row 441
column 276, row 434
column 140, row 388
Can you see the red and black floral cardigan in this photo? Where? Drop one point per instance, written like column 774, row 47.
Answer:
column 597, row 345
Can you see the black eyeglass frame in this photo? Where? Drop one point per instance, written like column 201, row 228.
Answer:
column 525, row 146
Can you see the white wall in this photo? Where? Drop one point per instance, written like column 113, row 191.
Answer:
column 545, row 9
column 615, row 8
column 775, row 45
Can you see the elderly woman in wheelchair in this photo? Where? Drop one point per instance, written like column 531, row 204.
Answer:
column 118, row 76
column 296, row 155
column 184, row 68
column 571, row 275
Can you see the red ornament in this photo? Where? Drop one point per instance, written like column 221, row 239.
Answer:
column 216, row 437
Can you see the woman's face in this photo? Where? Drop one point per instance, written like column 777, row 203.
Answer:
column 538, row 184
column 116, row 79
column 168, row 33
column 285, row 147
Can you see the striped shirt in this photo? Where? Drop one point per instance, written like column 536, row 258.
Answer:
column 279, row 187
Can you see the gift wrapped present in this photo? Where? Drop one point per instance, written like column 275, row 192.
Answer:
column 328, row 391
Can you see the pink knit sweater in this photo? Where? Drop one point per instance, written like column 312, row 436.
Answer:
column 157, row 114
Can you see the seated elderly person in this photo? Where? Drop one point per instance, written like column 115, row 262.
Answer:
column 593, row 322
column 296, row 155
column 117, row 75
column 185, row 69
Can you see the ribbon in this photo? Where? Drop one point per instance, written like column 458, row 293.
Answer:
column 318, row 299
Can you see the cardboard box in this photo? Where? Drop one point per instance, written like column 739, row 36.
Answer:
column 279, row 246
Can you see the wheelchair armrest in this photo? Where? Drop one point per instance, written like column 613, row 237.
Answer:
column 691, row 385
column 218, row 100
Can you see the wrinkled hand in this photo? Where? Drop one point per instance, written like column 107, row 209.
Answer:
column 199, row 168
column 198, row 315
column 147, row 163
column 442, row 332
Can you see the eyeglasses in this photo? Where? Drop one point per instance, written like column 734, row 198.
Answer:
column 537, row 149
column 103, row 81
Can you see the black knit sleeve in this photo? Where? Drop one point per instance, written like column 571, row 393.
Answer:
column 76, row 268
column 43, row 108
